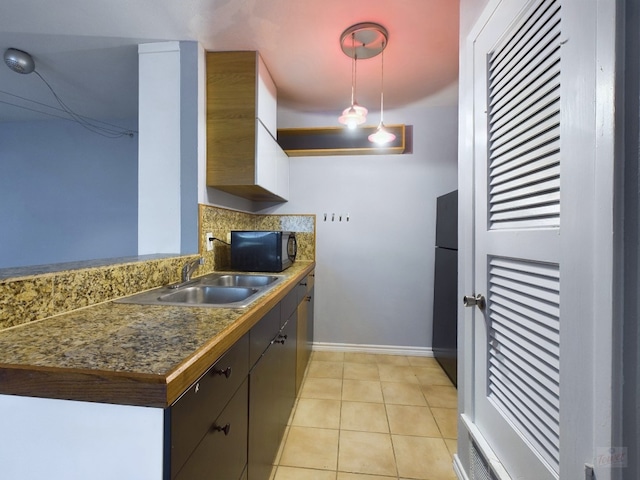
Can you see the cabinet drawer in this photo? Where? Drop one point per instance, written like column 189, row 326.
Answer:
column 305, row 286
column 193, row 413
column 262, row 333
column 222, row 453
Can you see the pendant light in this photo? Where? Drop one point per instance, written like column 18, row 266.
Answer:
column 355, row 114
column 359, row 42
column 382, row 136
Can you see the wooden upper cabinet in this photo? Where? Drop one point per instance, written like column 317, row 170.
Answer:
column 243, row 157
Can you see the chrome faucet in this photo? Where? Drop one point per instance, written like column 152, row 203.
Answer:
column 190, row 267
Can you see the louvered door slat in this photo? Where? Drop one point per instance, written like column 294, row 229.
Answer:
column 527, row 134
column 515, row 206
column 523, row 277
column 546, row 180
column 546, row 387
column 519, row 31
column 549, row 321
column 517, row 409
column 524, row 348
column 512, row 361
column 549, row 213
column 523, row 149
column 544, row 359
column 539, row 86
column 524, row 65
column 544, row 376
column 544, row 338
column 534, row 172
column 533, row 159
column 516, row 113
column 545, row 111
column 535, row 402
column 524, row 123
column 525, row 295
column 538, row 269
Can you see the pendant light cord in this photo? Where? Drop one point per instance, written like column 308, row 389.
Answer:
column 382, row 84
column 85, row 121
column 354, row 64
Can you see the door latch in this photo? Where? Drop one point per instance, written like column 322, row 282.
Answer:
column 474, row 301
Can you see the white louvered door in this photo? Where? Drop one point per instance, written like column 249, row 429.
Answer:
column 517, row 224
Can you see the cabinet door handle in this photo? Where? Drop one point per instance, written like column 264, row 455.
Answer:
column 308, row 299
column 226, row 372
column 303, row 284
column 280, row 339
column 225, row 429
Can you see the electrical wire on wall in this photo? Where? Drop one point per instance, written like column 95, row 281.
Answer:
column 21, row 62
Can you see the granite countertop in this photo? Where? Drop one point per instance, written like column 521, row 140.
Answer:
column 127, row 354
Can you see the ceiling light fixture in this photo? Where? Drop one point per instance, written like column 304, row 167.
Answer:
column 355, row 114
column 23, row 63
column 382, row 136
column 359, row 42
column 19, row 61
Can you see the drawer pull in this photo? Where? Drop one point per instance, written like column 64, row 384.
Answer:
column 226, row 372
column 280, row 339
column 308, row 299
column 225, row 429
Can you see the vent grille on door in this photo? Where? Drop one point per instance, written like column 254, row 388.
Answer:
column 524, row 123
column 479, row 467
column 524, row 350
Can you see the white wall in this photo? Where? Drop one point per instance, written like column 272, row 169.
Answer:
column 159, row 148
column 66, row 194
column 169, row 149
column 70, row 440
column 374, row 279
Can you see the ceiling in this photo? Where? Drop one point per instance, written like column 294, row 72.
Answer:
column 87, row 50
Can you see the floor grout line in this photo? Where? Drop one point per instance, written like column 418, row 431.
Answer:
column 385, row 404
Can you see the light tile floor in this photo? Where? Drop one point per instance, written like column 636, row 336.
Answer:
column 370, row 417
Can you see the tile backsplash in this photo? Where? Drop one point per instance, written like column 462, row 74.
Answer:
column 220, row 222
column 28, row 294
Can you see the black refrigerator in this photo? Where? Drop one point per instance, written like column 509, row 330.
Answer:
column 445, row 305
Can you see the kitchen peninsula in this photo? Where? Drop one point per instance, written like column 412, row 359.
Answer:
column 91, row 390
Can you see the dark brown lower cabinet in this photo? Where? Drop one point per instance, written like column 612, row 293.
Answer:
column 229, row 424
column 192, row 415
column 222, row 453
column 271, row 398
column 305, row 327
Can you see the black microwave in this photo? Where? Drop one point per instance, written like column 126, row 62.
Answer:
column 262, row 251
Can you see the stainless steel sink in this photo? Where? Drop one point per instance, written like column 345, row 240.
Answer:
column 207, row 294
column 242, row 280
column 228, row 290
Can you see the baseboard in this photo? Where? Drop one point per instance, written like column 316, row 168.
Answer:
column 379, row 349
column 459, row 469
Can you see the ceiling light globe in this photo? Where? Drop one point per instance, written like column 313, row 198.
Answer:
column 381, row 136
column 353, row 116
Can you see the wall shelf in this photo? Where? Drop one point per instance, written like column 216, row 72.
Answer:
column 298, row 142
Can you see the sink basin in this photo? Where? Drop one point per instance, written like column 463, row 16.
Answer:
column 241, row 280
column 207, row 294
column 230, row 290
